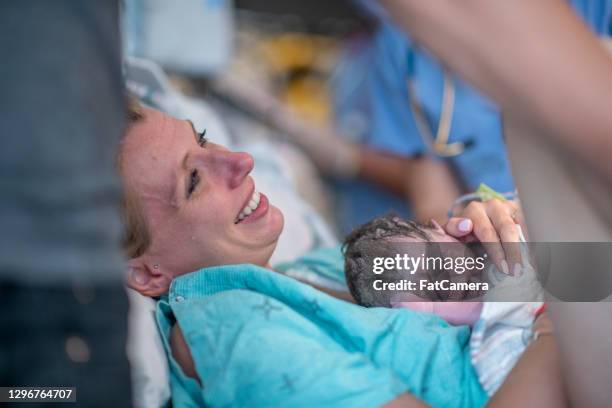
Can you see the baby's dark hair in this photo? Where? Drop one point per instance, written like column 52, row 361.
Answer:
column 371, row 240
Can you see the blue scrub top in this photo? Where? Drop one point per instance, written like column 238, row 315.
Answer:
column 371, row 84
column 475, row 122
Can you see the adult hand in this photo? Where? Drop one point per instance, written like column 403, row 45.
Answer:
column 493, row 223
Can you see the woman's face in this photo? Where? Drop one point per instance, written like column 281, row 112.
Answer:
column 200, row 205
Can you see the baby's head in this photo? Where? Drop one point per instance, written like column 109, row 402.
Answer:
column 385, row 237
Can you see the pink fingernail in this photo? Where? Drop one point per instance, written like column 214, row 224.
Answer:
column 465, row 225
column 504, row 266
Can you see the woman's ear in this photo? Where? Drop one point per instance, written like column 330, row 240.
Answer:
column 149, row 280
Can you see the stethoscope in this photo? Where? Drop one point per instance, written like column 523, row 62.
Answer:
column 438, row 144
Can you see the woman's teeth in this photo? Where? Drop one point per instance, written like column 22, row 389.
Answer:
column 250, row 207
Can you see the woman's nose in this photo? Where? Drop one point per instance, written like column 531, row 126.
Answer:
column 234, row 167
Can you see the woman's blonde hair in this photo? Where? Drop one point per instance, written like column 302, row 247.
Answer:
column 136, row 237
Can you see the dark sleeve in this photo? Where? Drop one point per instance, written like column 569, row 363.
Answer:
column 61, row 115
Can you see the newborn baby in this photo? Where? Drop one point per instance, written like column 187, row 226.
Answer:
column 500, row 330
column 388, row 236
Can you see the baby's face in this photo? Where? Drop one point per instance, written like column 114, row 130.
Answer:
column 414, row 246
column 439, row 245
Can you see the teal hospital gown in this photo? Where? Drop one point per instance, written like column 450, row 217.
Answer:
column 261, row 339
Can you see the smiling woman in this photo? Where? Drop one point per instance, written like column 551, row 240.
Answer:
column 190, row 204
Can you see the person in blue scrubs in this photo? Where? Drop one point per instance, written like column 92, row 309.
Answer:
column 390, row 96
column 477, row 154
column 401, row 97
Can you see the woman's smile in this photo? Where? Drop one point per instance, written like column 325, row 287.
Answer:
column 255, row 208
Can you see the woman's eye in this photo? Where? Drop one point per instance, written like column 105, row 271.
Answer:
column 202, row 138
column 194, row 179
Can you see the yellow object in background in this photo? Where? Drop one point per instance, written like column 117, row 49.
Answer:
column 301, row 64
column 308, row 97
